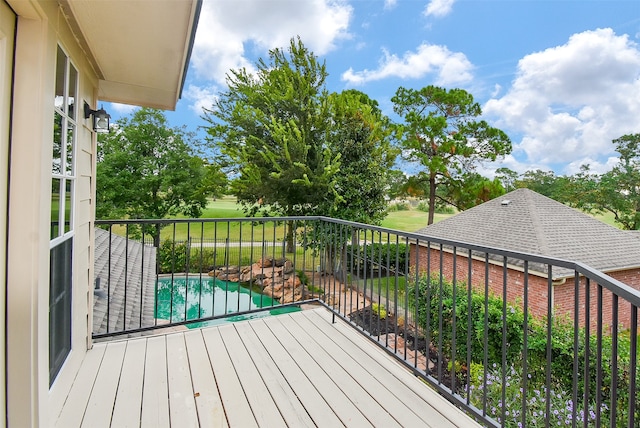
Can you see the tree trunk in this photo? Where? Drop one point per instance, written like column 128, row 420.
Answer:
column 432, row 198
column 289, row 238
column 156, row 235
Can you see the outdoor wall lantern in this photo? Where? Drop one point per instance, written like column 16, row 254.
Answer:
column 100, row 118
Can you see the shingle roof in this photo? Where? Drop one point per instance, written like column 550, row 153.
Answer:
column 127, row 264
column 528, row 222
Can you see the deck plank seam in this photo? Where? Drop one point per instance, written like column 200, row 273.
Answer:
column 269, row 366
column 334, row 370
column 448, row 410
column 418, row 399
column 344, row 359
column 300, row 353
column 206, row 346
column 269, row 344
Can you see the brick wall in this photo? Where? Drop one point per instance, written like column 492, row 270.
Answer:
column 562, row 295
column 564, row 300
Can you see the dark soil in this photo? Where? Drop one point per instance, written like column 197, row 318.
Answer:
column 370, row 321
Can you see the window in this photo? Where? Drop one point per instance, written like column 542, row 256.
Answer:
column 64, row 134
column 62, row 201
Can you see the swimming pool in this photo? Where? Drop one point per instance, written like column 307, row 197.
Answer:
column 198, row 297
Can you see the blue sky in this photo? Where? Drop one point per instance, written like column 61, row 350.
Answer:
column 560, row 77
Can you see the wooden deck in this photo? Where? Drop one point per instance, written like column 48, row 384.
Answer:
column 294, row 370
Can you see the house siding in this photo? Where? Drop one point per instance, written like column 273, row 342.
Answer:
column 41, row 28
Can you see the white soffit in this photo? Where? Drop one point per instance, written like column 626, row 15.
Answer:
column 140, row 48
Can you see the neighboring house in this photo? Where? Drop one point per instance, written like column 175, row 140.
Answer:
column 59, row 58
column 527, row 222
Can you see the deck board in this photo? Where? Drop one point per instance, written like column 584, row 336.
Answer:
column 235, row 402
column 380, row 384
column 432, row 407
column 100, row 406
column 262, row 405
column 295, row 370
column 336, row 398
column 155, row 393
column 76, row 402
column 313, row 402
column 371, row 409
column 208, row 402
column 293, row 411
column 126, row 412
column 182, row 404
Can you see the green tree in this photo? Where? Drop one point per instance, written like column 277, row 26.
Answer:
column 581, row 190
column 293, row 148
column 270, row 129
column 148, row 170
column 546, row 183
column 471, row 190
column 397, row 184
column 442, row 132
column 360, row 133
column 619, row 189
column 508, row 178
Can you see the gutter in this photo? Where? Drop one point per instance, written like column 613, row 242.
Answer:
column 192, row 37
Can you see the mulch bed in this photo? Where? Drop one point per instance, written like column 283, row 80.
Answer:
column 370, row 321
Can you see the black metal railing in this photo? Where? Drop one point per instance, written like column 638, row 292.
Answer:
column 513, row 339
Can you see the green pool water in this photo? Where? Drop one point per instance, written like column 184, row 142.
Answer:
column 197, row 297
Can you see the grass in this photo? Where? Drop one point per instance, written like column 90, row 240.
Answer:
column 411, row 220
column 227, row 208
column 607, row 218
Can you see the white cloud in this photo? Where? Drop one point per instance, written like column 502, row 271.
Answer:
column 439, row 8
column 201, row 98
column 573, row 98
column 497, row 89
column 595, row 166
column 123, row 109
column 230, row 33
column 448, row 67
column 390, row 4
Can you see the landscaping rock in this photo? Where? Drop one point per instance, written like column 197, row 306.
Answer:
column 274, row 276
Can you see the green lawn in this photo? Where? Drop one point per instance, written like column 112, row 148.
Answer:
column 407, row 221
column 410, row 221
column 226, row 207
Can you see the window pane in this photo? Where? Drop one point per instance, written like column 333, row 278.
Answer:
column 69, row 149
column 55, row 207
column 56, row 167
column 71, row 96
column 68, row 198
column 60, row 286
column 61, row 62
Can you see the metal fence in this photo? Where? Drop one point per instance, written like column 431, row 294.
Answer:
column 513, row 339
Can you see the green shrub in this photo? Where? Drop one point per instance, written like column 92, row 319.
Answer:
column 437, row 306
column 392, row 255
column 173, row 258
column 379, row 310
column 399, row 206
column 444, row 209
column 423, row 206
column 491, row 389
column 435, row 311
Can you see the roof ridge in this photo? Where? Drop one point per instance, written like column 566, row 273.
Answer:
column 538, row 229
